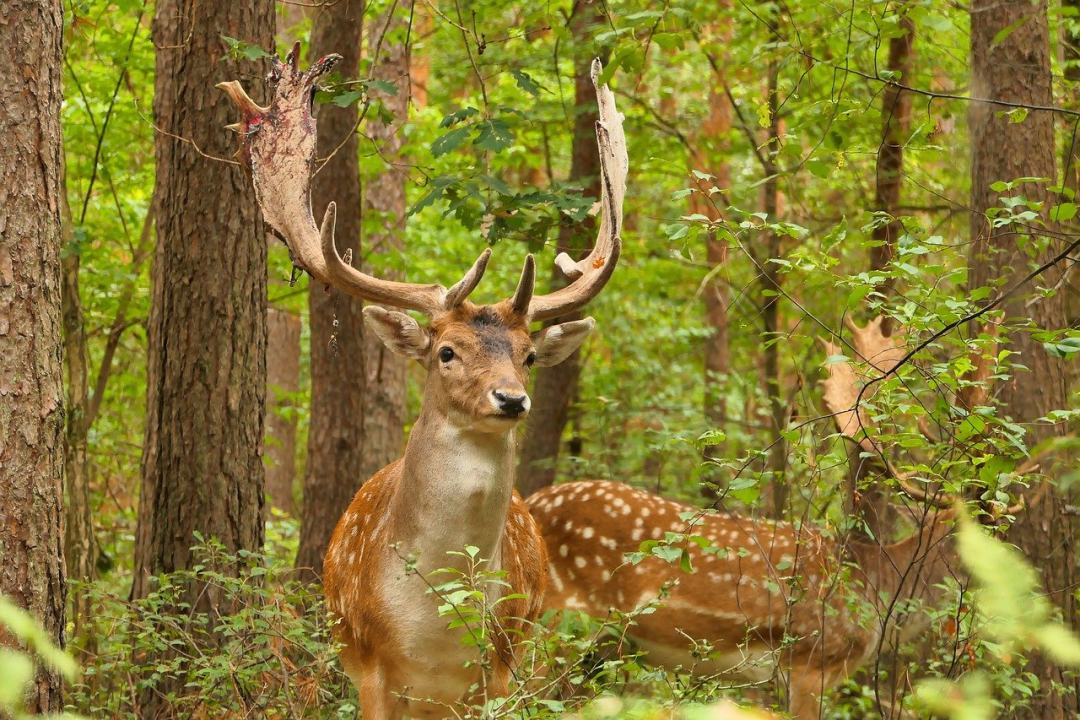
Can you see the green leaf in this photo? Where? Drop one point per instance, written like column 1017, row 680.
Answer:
column 450, row 141
column 240, row 49
column 347, row 98
column 1059, row 643
column 494, row 135
column 1063, row 212
column 525, row 82
column 458, row 116
column 16, row 674
column 383, row 86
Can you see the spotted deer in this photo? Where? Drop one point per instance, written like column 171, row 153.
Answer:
column 770, row 597
column 453, row 487
column 767, row 596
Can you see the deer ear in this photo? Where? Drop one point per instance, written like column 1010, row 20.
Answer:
column 556, row 343
column 399, row 332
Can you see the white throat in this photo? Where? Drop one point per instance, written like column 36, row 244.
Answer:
column 455, row 491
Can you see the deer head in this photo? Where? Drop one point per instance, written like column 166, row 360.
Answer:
column 478, row 356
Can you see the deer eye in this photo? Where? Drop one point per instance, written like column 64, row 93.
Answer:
column 530, row 359
column 446, row 354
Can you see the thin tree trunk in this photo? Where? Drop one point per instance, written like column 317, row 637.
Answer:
column 283, row 381
column 31, row 393
column 873, row 504
column 895, row 125
column 777, row 494
column 1070, row 162
column 710, row 149
column 384, row 208
column 1017, row 69
column 335, row 464
column 79, row 546
column 206, row 379
column 555, row 387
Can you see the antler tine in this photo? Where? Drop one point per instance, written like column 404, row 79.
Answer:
column 523, row 294
column 463, row 287
column 591, row 274
column 278, row 145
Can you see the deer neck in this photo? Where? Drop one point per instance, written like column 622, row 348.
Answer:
column 908, row 568
column 455, row 491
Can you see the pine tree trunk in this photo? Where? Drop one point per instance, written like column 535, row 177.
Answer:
column 1017, row 69
column 384, row 208
column 282, row 381
column 31, row 394
column 206, row 383
column 873, row 501
column 895, row 125
column 710, row 149
column 335, row 464
column 556, row 386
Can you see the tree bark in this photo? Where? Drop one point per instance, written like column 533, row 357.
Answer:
column 32, row 570
column 335, row 464
column 283, row 381
column 555, row 387
column 384, row 208
column 206, row 378
column 1017, row 69
column 895, row 125
column 79, row 546
column 777, row 491
column 872, row 504
column 710, row 149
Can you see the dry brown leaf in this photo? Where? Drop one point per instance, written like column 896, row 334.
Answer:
column 883, row 352
column 841, row 391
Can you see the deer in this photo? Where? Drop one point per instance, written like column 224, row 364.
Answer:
column 771, row 598
column 767, row 596
column 454, row 485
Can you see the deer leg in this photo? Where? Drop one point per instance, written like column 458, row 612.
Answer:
column 809, row 683
column 377, row 699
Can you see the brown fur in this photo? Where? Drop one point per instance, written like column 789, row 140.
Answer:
column 776, row 582
column 452, row 488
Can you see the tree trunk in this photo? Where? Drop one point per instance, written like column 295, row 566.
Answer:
column 1070, row 159
column 384, row 208
column 895, row 125
column 31, row 393
column 79, row 546
column 206, row 375
column 710, row 149
column 1017, row 69
column 555, row 387
column 282, row 381
column 777, row 491
column 335, row 464
column 873, row 501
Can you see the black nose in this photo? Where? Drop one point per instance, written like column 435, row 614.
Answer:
column 509, row 403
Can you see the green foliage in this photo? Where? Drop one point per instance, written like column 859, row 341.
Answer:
column 488, row 160
column 17, row 667
column 257, row 643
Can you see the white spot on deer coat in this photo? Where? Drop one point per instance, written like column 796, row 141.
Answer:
column 580, row 561
column 587, row 532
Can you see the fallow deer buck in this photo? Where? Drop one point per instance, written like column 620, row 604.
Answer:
column 454, row 485
column 767, row 596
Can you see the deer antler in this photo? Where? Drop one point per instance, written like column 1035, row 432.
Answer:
column 590, row 274
column 277, row 143
column 841, row 394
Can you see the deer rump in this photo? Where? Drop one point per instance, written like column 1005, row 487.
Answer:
column 765, row 595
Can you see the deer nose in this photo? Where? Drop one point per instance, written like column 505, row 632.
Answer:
column 510, row 402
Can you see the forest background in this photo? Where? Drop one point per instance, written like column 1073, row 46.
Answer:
column 798, row 167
